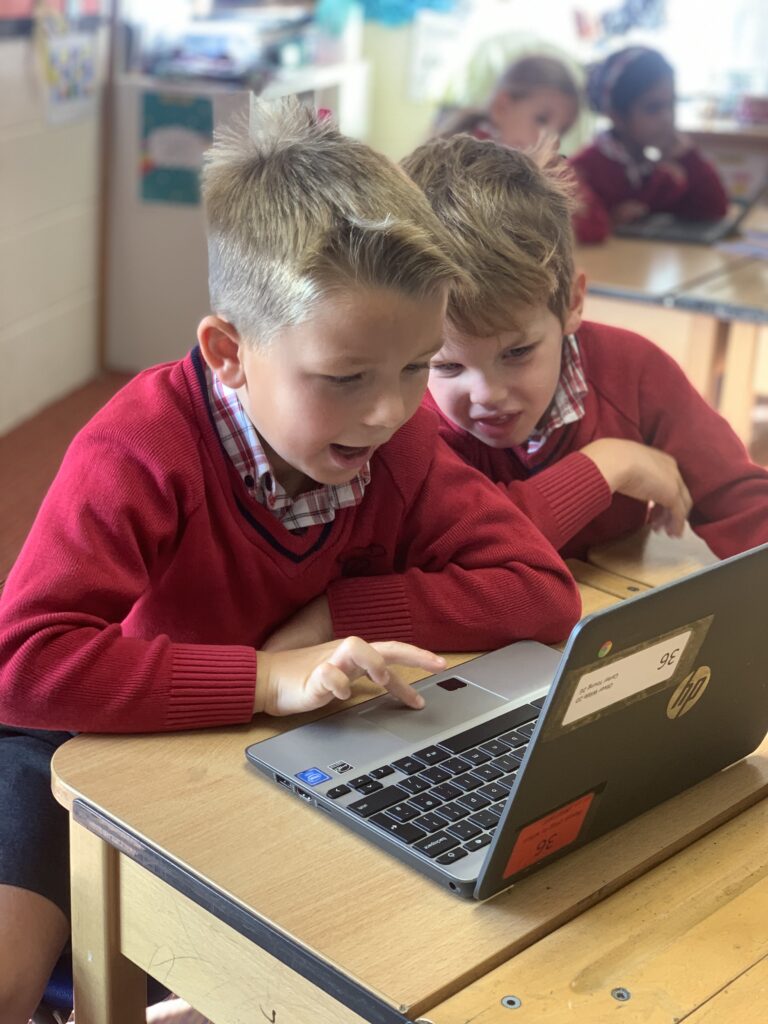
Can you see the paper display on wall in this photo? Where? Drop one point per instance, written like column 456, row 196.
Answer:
column 176, row 131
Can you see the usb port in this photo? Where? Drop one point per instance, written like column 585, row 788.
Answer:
column 303, row 795
column 283, row 781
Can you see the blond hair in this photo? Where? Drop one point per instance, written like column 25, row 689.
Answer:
column 296, row 210
column 508, row 214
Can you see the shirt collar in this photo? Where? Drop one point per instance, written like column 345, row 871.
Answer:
column 636, row 169
column 567, row 405
column 242, row 444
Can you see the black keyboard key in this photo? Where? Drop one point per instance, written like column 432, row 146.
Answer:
column 454, row 811
column 508, row 780
column 464, row 830
column 403, row 812
column 506, row 763
column 496, row 747
column 467, row 782
column 378, row 801
column 514, row 738
column 488, row 730
column 485, row 818
column 405, row 832
column 436, row 844
column 476, row 756
column 435, row 775
column 430, row 822
column 424, row 802
column 474, row 801
column 526, row 731
column 455, row 765
column 517, row 754
column 494, row 791
column 408, row 765
column 538, row 703
column 451, row 856
column 487, row 772
column 338, row 791
column 381, row 773
column 431, row 755
column 478, row 842
column 361, row 780
column 446, row 791
column 414, row 784
column 369, row 787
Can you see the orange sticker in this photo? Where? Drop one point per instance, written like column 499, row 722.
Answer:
column 547, row 835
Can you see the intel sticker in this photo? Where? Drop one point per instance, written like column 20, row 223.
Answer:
column 313, row 776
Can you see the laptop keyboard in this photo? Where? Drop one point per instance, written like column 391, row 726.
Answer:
column 446, row 799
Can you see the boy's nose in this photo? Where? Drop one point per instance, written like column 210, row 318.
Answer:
column 486, row 391
column 388, row 412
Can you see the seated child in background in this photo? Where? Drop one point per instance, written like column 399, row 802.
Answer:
column 225, row 517
column 536, row 98
column 635, row 88
column 584, row 426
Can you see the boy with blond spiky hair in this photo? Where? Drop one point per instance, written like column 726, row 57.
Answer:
column 255, row 526
column 592, row 430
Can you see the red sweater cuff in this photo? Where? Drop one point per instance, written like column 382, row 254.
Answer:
column 210, row 686
column 371, row 607
column 575, row 491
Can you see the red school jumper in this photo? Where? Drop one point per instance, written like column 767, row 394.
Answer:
column 150, row 576
column 637, row 393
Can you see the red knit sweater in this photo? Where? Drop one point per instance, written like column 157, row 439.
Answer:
column 150, row 576
column 638, row 393
column 701, row 197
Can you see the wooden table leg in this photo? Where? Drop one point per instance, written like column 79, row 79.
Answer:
column 737, row 395
column 108, row 987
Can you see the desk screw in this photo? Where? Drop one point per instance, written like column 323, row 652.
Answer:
column 622, row 994
column 511, row 1002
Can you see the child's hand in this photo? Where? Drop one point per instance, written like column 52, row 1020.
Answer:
column 647, row 474
column 308, row 626
column 628, row 211
column 291, row 681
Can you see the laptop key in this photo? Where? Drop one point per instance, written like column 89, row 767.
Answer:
column 455, row 765
column 404, row 831
column 515, row 737
column 436, row 844
column 506, row 763
column 451, row 856
column 431, row 755
column 377, row 801
column 361, row 780
column 488, row 730
column 508, row 780
column 487, row 772
column 454, row 811
column 446, row 791
column 424, row 802
column 414, row 784
column 435, row 775
column 485, row 818
column 464, row 830
column 538, row 703
column 408, row 765
column 430, row 822
column 403, row 812
column 494, row 791
column 474, row 801
column 381, row 773
column 467, row 782
column 526, row 731
column 496, row 747
column 369, row 787
column 337, row 791
column 478, row 842
column 476, row 756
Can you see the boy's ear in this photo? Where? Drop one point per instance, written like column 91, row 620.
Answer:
column 575, row 312
column 220, row 345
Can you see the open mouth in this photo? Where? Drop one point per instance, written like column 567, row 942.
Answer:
column 347, row 453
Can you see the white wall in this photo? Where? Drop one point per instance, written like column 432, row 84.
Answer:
column 48, row 207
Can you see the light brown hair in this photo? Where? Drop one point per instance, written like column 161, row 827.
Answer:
column 295, row 210
column 508, row 214
column 538, row 71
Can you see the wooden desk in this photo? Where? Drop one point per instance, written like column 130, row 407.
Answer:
column 187, row 864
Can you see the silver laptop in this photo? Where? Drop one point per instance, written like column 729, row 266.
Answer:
column 523, row 755
column 665, row 227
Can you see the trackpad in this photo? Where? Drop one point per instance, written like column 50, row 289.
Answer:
column 446, row 707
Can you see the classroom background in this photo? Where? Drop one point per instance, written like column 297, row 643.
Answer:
column 107, row 107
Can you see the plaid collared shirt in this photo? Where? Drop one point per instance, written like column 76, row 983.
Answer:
column 637, row 170
column 568, row 404
column 242, row 444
